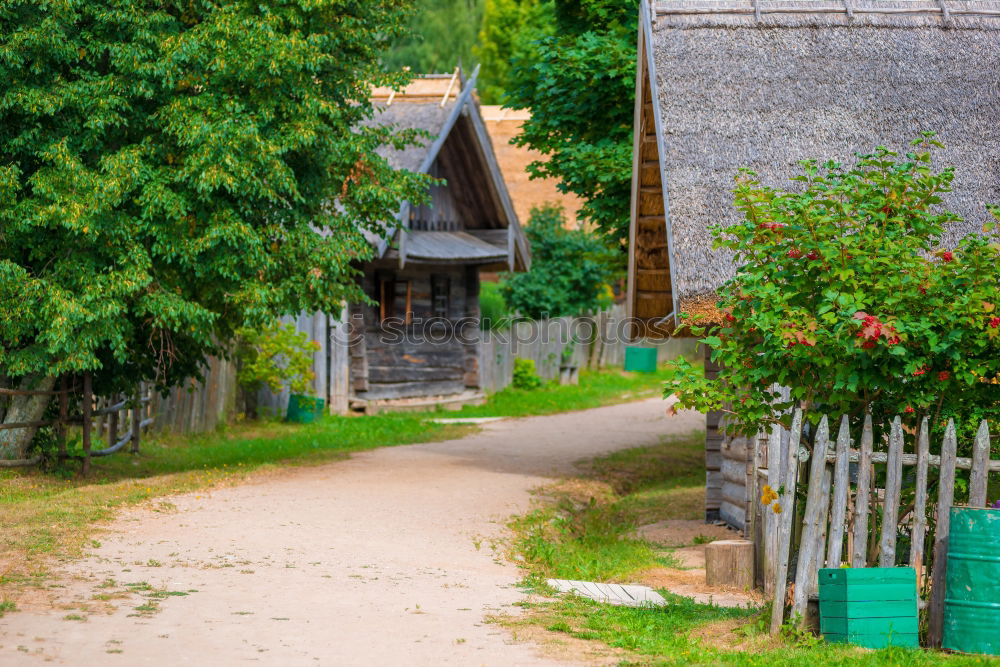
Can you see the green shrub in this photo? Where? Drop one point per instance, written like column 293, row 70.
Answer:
column 525, row 376
column 495, row 315
column 572, row 270
column 847, row 295
column 274, row 356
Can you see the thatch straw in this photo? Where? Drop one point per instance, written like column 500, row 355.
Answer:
column 736, row 92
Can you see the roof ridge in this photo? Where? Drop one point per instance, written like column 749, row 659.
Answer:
column 963, row 8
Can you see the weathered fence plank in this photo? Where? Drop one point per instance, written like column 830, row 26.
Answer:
column 893, row 485
column 920, row 502
column 859, row 556
column 841, row 492
column 811, row 521
column 980, row 463
column 787, row 518
column 946, row 496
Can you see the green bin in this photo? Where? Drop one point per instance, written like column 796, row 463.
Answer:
column 304, row 409
column 972, row 582
column 640, row 359
column 872, row 607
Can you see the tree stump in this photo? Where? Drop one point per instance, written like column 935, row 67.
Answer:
column 729, row 563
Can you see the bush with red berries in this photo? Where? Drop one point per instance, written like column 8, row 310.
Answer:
column 846, row 296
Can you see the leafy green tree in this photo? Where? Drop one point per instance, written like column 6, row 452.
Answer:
column 846, row 296
column 510, row 32
column 578, row 82
column 171, row 171
column 571, row 270
column 439, row 35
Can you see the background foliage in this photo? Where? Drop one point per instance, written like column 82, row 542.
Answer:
column 510, row 32
column 579, row 83
column 846, row 296
column 439, row 35
column 571, row 270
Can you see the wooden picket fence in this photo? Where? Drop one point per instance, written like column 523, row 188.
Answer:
column 836, row 526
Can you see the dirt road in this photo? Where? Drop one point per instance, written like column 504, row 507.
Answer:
column 383, row 559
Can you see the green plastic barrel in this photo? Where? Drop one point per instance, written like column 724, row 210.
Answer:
column 972, row 590
column 304, row 409
column 640, row 359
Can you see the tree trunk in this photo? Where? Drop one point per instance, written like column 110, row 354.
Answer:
column 14, row 442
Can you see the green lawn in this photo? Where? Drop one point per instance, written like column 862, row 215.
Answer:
column 582, row 530
column 595, row 389
column 50, row 514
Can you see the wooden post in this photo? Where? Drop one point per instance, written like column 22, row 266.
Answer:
column 729, row 563
column 771, row 520
column 811, row 521
column 893, row 484
column 860, row 553
column 980, row 467
column 920, row 504
column 946, row 496
column 63, row 415
column 113, row 423
column 841, row 491
column 88, row 406
column 136, row 420
column 787, row 517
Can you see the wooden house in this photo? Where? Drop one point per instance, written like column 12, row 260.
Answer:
column 419, row 342
column 725, row 84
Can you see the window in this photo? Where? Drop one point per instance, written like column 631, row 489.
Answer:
column 395, row 299
column 440, row 296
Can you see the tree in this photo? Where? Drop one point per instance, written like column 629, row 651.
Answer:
column 579, row 84
column 845, row 296
column 571, row 270
column 510, row 32
column 172, row 171
column 440, row 34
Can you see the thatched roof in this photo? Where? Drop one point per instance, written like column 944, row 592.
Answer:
column 766, row 84
column 446, row 109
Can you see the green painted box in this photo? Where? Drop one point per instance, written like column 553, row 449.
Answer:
column 640, row 359
column 872, row 607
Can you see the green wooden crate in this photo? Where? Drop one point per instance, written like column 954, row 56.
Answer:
column 875, row 640
column 847, row 626
column 868, row 592
column 867, row 608
column 868, row 575
column 872, row 607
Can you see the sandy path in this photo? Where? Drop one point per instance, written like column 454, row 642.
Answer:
column 369, row 561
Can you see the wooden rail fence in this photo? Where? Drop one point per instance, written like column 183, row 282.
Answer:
column 840, row 521
column 109, row 416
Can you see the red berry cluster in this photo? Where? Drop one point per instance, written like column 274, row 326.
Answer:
column 995, row 322
column 872, row 328
column 773, row 226
column 947, row 256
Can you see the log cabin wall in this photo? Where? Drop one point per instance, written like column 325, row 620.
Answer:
column 713, row 450
column 650, row 291
column 425, row 357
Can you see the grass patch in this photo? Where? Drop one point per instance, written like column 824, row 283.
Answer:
column 582, row 530
column 596, row 388
column 51, row 514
